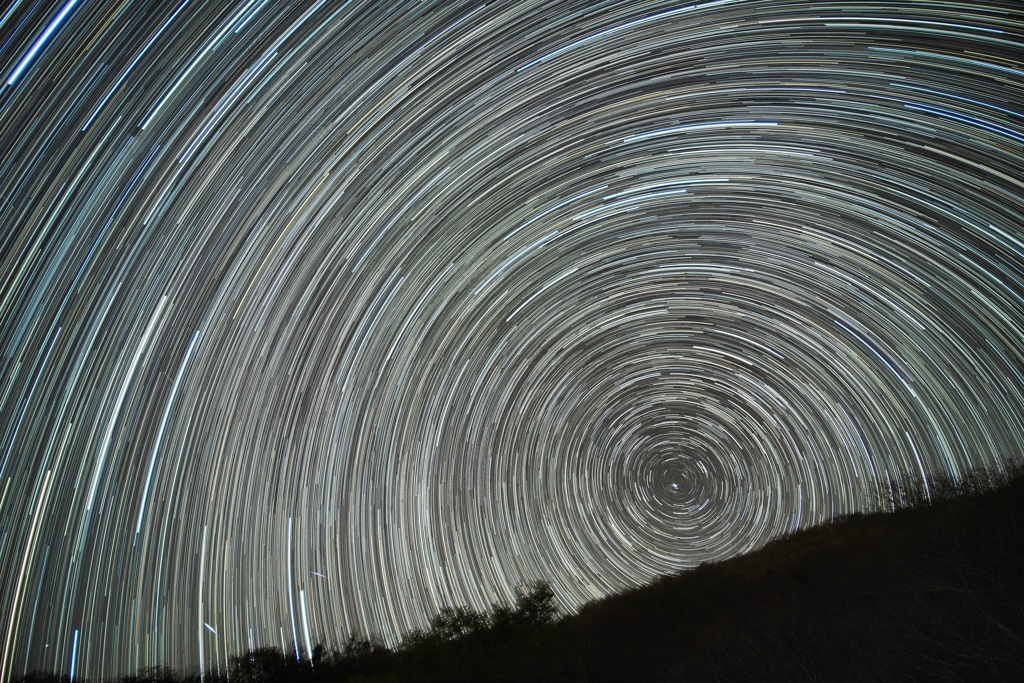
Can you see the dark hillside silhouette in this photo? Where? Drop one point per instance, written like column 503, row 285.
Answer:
column 932, row 591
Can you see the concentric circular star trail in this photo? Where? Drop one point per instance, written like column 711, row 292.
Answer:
column 317, row 317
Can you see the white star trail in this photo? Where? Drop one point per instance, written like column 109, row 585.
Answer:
column 318, row 317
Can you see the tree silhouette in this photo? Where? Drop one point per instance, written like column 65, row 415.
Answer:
column 535, row 605
column 262, row 665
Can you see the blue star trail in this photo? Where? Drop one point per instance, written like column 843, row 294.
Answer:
column 317, row 317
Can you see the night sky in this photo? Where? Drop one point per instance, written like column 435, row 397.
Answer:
column 317, row 317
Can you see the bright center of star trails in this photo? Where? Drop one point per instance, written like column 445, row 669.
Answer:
column 318, row 317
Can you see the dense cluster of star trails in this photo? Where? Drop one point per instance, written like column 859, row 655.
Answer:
column 316, row 317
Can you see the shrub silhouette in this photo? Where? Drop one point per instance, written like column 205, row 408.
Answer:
column 264, row 664
column 453, row 623
column 535, row 605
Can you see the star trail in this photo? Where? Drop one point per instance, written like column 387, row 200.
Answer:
column 317, row 317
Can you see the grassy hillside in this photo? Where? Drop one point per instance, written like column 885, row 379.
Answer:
column 931, row 592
